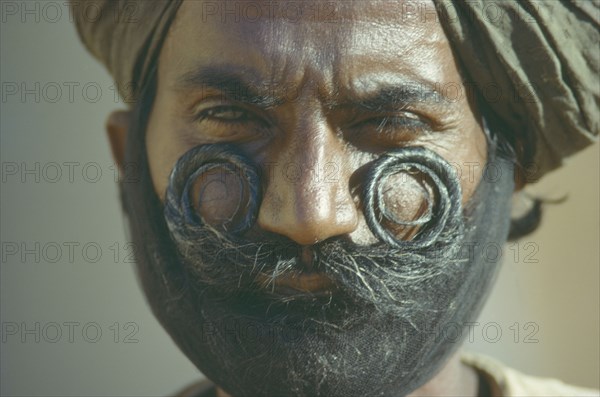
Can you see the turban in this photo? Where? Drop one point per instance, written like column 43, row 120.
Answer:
column 536, row 63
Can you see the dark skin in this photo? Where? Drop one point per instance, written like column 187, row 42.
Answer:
column 325, row 113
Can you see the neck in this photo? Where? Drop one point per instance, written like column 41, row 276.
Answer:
column 455, row 379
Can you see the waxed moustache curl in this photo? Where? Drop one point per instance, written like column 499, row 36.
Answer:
column 376, row 333
column 379, row 275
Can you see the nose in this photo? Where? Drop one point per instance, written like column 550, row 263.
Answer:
column 307, row 196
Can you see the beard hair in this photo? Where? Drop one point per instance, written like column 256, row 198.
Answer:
column 381, row 333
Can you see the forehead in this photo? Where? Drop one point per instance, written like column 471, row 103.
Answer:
column 331, row 43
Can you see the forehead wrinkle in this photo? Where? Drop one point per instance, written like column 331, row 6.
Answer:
column 326, row 56
column 325, row 60
column 300, row 53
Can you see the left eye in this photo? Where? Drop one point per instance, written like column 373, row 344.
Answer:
column 393, row 123
column 390, row 129
column 393, row 129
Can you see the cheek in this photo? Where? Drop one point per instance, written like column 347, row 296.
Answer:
column 163, row 146
column 406, row 199
column 219, row 198
column 466, row 152
column 471, row 161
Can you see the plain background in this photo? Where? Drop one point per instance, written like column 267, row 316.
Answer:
column 542, row 318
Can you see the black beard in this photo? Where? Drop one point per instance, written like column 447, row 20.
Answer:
column 378, row 334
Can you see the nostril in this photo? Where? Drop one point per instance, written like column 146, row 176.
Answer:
column 307, row 258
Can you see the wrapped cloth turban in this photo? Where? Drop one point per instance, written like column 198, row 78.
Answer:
column 535, row 62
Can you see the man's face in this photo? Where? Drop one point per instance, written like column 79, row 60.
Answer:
column 312, row 95
column 325, row 70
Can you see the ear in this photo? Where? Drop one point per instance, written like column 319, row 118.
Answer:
column 520, row 178
column 117, row 126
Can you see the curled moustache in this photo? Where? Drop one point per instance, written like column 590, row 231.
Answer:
column 220, row 160
column 444, row 207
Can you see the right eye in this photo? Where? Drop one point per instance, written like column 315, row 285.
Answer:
column 229, row 122
column 224, row 114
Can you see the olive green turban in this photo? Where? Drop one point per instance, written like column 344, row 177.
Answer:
column 125, row 36
column 535, row 62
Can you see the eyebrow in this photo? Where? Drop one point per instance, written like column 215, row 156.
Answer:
column 245, row 85
column 395, row 96
column 239, row 83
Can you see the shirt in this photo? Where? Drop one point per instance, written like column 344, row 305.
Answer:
column 503, row 381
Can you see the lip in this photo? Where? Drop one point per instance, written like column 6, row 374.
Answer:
column 313, row 283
